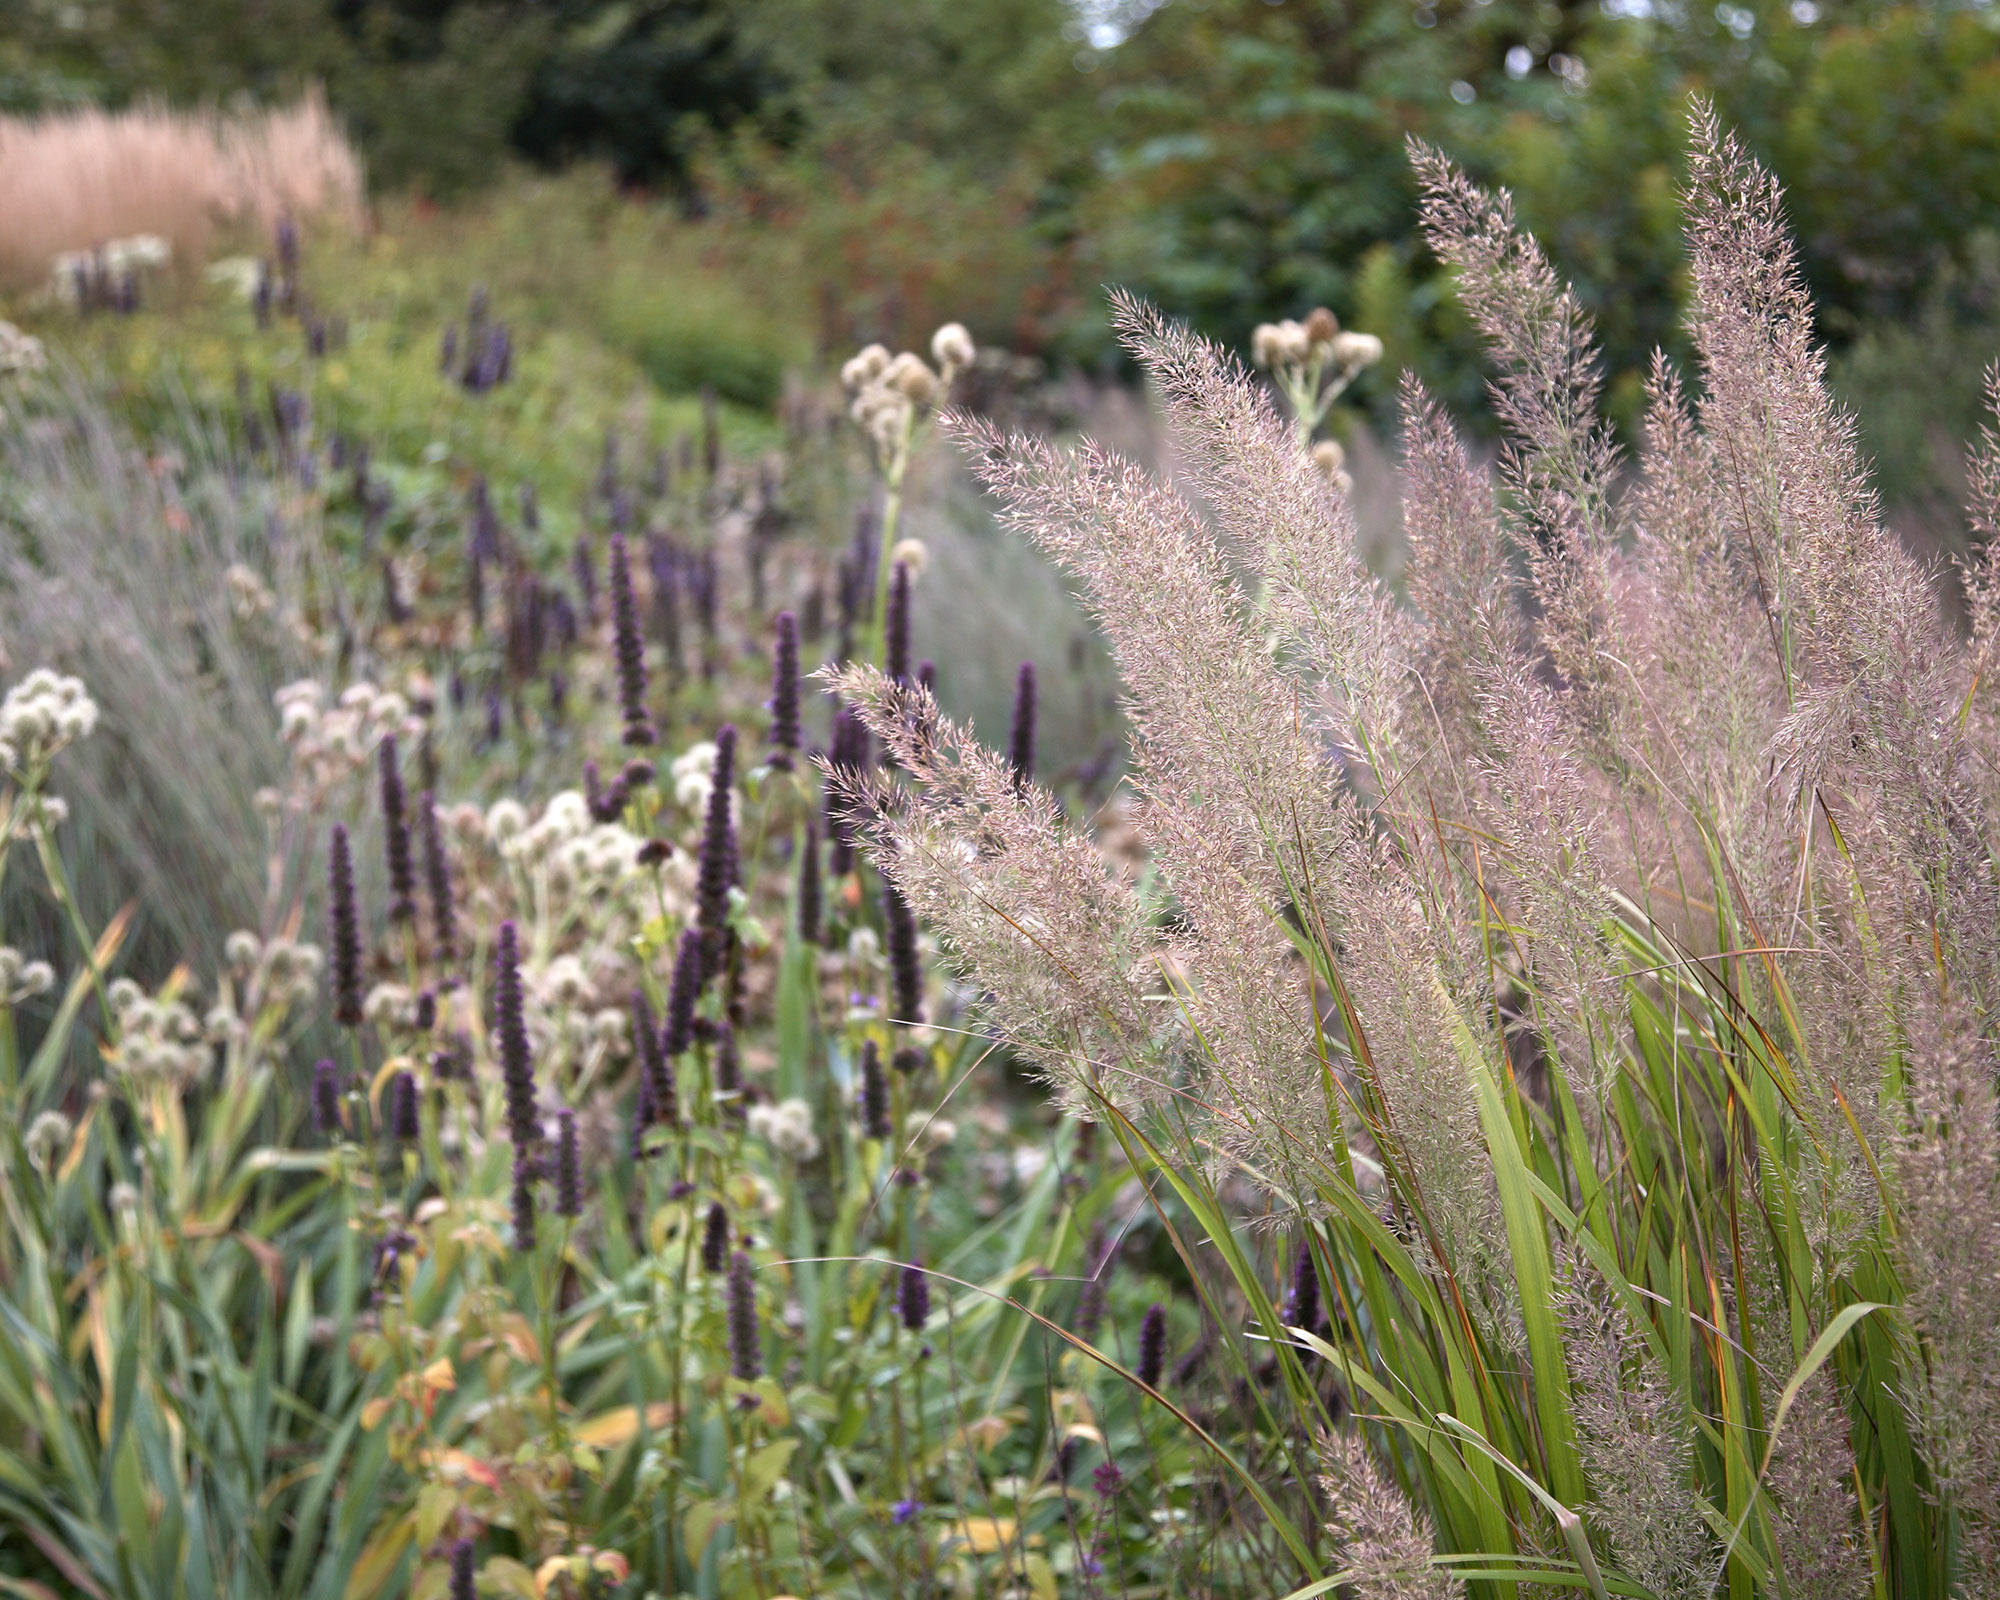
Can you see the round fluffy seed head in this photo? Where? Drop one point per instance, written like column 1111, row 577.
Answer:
column 629, row 647
column 396, row 834
column 746, row 1352
column 1356, row 350
column 1021, row 747
column 343, row 930
column 326, row 1098
column 911, row 379
column 1321, row 325
column 1152, row 1346
column 524, row 1202
column 714, row 1239
column 913, row 1298
column 874, row 1093
column 952, row 348
column 403, row 1121
column 511, row 1023
column 785, row 694
column 569, row 1178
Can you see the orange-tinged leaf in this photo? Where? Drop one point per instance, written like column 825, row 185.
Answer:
column 620, row 1424
column 373, row 1412
column 379, row 1559
column 612, row 1564
column 987, row 1534
column 439, row 1374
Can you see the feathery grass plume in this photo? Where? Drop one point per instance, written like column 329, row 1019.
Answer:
column 913, row 1297
column 437, row 879
column 1152, row 1346
column 1811, row 1480
column 1562, row 459
column 569, row 1178
column 683, row 990
column 1024, row 906
column 656, row 1072
column 809, row 908
column 1021, row 742
column 1637, row 1442
column 343, row 929
column 896, row 625
column 629, row 647
column 714, row 1239
column 396, row 834
column 875, row 1122
column 717, row 869
column 511, row 1024
column 462, row 1585
column 1239, row 803
column 1383, row 1540
column 906, row 971
column 1947, row 1177
column 326, row 1099
column 403, row 1121
column 1470, row 628
column 524, row 1200
column 785, row 694
column 746, row 1345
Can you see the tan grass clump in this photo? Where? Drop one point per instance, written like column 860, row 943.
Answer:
column 75, row 179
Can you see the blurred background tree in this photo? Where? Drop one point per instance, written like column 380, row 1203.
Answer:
column 1236, row 160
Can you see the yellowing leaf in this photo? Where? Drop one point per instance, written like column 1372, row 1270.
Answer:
column 505, row 1575
column 439, row 1374
column 620, row 1424
column 765, row 1468
column 373, row 1412
column 379, row 1559
column 612, row 1564
column 986, row 1534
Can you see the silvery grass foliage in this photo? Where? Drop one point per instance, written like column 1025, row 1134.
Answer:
column 1591, row 952
column 185, row 593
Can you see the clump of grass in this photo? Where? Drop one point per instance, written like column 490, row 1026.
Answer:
column 76, row 179
column 1592, row 960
